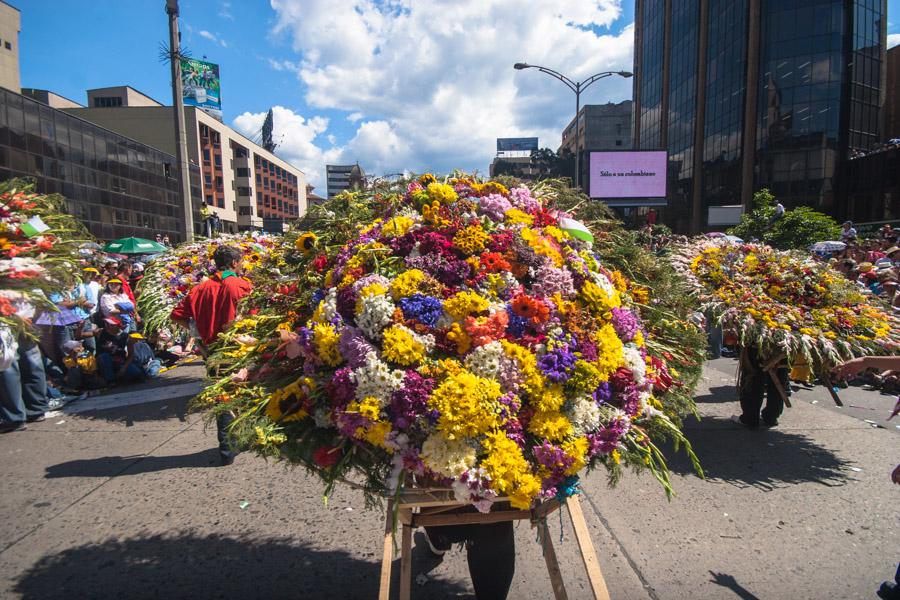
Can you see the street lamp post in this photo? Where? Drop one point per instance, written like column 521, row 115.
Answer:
column 577, row 87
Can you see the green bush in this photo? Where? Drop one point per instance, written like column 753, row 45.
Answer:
column 797, row 229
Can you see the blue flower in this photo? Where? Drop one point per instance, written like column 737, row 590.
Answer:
column 424, row 309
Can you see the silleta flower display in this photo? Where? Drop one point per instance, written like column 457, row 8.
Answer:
column 464, row 339
column 786, row 303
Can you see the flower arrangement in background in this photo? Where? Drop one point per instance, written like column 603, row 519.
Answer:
column 39, row 251
column 785, row 302
column 171, row 275
column 463, row 338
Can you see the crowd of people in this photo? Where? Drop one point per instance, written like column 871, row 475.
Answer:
column 873, row 263
column 90, row 339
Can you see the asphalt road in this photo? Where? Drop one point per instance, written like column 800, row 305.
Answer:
column 128, row 503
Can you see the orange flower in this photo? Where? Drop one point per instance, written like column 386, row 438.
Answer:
column 493, row 262
column 531, row 308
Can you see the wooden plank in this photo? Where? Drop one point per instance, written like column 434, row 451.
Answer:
column 826, row 379
column 470, row 518
column 784, row 396
column 591, row 565
column 384, row 588
column 406, row 562
column 556, row 580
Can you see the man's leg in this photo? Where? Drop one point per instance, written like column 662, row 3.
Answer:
column 34, row 380
column 752, row 387
column 226, row 452
column 106, row 368
column 774, row 401
column 12, row 409
column 491, row 554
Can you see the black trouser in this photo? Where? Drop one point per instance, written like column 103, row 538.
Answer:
column 490, row 552
column 754, row 383
column 223, row 420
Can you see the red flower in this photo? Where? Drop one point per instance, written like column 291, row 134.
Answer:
column 319, row 263
column 531, row 308
column 326, row 457
column 493, row 262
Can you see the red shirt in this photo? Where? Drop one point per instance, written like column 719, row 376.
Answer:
column 126, row 289
column 212, row 304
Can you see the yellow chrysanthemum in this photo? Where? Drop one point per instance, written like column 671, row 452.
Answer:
column 401, row 346
column 441, row 192
column 471, row 239
column 397, row 226
column 407, row 283
column 467, row 405
column 462, row 304
column 326, row 339
column 515, row 216
column 508, row 470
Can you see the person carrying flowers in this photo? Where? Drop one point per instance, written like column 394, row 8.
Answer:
column 212, row 306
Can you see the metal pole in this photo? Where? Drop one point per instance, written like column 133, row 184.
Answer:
column 181, row 153
column 577, row 137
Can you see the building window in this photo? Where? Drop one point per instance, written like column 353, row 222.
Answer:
column 7, row 45
column 206, row 155
column 243, row 172
column 107, row 101
column 245, row 211
column 618, row 142
column 219, row 161
column 208, row 179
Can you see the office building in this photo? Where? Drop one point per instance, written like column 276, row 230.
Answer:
column 601, row 127
column 747, row 94
column 871, row 187
column 115, row 185
column 10, row 26
column 50, row 99
column 241, row 181
column 119, row 95
column 892, row 95
column 344, row 177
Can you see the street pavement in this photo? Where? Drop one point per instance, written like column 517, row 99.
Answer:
column 122, row 497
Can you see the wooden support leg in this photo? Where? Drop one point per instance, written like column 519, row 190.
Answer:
column 556, row 580
column 405, row 562
column 595, row 576
column 384, row 590
column 784, row 396
column 830, row 387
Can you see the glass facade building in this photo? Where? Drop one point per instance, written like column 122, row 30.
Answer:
column 116, row 186
column 746, row 94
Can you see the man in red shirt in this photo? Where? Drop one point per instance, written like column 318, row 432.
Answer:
column 213, row 305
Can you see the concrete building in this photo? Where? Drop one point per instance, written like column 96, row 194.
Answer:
column 118, row 95
column 50, row 99
column 117, row 186
column 747, row 94
column 343, row 177
column 10, row 26
column 601, row 127
column 241, row 181
column 892, row 95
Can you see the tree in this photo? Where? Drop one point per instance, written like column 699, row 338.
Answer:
column 796, row 229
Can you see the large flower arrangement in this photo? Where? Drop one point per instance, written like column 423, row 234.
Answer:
column 463, row 338
column 785, row 303
column 39, row 245
column 171, row 275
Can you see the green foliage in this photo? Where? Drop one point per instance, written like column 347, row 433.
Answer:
column 797, row 229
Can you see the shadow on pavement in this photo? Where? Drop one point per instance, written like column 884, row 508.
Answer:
column 214, row 566
column 112, row 466
column 176, row 408
column 718, row 395
column 761, row 458
column 731, row 583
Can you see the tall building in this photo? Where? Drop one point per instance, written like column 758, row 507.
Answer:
column 243, row 182
column 892, row 95
column 746, row 94
column 117, row 186
column 118, row 95
column 601, row 127
column 343, row 177
column 10, row 26
column 50, row 99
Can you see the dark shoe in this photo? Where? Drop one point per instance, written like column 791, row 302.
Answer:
column 888, row 591
column 36, row 419
column 226, row 460
column 739, row 419
column 13, row 426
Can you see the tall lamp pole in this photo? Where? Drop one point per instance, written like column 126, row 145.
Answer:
column 181, row 153
column 577, row 87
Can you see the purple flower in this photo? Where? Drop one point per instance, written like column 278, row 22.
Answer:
column 555, row 460
column 410, row 402
column 607, row 439
column 516, row 326
column 625, row 323
column 603, row 393
column 354, row 347
column 424, row 309
column 341, row 388
column 550, row 280
column 494, row 206
column 556, row 363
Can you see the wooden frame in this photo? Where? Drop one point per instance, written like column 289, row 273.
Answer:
column 418, row 507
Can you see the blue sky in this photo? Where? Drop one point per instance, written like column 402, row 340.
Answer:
column 394, row 84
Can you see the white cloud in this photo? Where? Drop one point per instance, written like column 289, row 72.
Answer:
column 282, row 65
column 296, row 137
column 213, row 38
column 225, row 11
column 893, row 39
column 436, row 78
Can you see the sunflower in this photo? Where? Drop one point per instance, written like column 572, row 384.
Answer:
column 306, row 243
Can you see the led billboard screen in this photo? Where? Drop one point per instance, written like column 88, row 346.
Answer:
column 635, row 174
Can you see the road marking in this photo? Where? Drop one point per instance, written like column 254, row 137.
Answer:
column 109, row 401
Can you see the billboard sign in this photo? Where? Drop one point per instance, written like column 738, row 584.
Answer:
column 630, row 174
column 517, row 144
column 200, row 86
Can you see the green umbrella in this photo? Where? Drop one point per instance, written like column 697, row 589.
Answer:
column 133, row 245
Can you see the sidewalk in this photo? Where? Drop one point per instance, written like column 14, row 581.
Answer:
column 129, row 503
